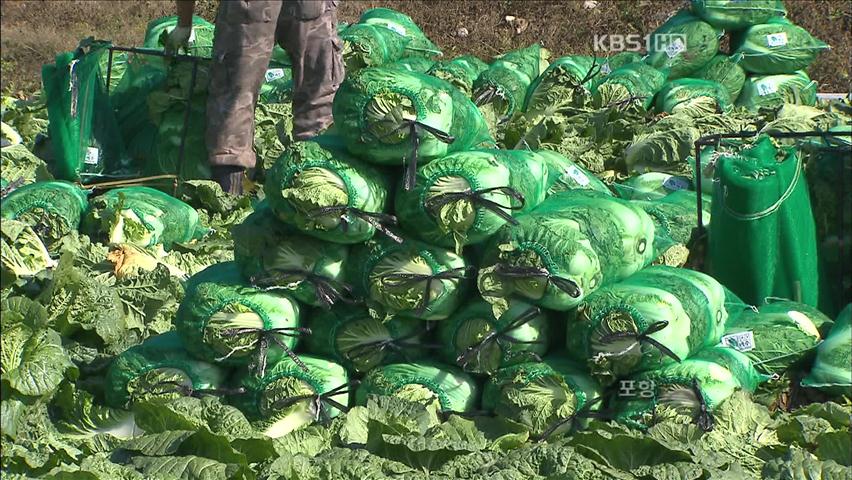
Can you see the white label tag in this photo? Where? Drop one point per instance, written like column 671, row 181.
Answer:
column 92, row 156
column 764, row 89
column 606, row 69
column 577, row 175
column 396, row 28
column 742, row 341
column 776, row 39
column 274, row 74
column 676, row 183
column 673, row 49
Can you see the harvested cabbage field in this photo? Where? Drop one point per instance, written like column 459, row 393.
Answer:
column 522, row 265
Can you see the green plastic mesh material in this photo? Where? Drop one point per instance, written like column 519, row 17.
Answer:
column 725, row 70
column 455, row 390
column 545, row 397
column 401, row 24
column 316, row 175
column 367, row 46
column 376, row 110
column 821, row 321
column 646, row 320
column 412, row 279
column 709, row 378
column 465, row 197
column 664, row 146
column 479, row 343
column 223, row 319
column 693, row 97
column 560, row 80
column 683, row 45
column 142, row 216
column 413, row 64
column 651, row 186
column 675, row 220
column 157, row 367
column 565, row 174
column 737, row 14
column 759, row 198
column 566, row 248
column 832, row 370
column 634, row 83
column 200, row 44
column 277, row 86
column 777, row 47
column 772, row 91
column 502, row 88
column 620, row 59
column 273, row 255
column 460, row 72
column 52, row 209
column 360, row 342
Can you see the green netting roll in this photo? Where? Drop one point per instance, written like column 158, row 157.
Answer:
column 656, row 317
column 725, row 70
column 158, row 367
column 503, row 87
column 464, row 198
column 565, row 174
column 772, row 91
column 675, row 219
column 759, row 198
column 142, row 216
column 200, row 43
column 360, row 342
column 737, row 14
column 634, row 83
column 403, row 25
column 324, row 192
column 832, row 370
column 292, row 394
column 412, row 64
column 455, row 390
column 694, row 97
column 664, row 146
column 683, row 44
column 558, row 83
column 273, row 255
column 223, row 319
column 696, row 386
column 460, row 72
column 53, row 209
column 777, row 47
column 412, row 279
column 547, row 397
column 480, row 343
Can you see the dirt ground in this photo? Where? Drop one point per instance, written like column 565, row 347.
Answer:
column 33, row 31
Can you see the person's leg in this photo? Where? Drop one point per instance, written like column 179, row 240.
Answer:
column 245, row 35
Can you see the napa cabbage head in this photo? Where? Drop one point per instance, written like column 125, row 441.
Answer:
column 23, row 253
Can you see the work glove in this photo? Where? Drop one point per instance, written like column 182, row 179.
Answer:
column 179, row 37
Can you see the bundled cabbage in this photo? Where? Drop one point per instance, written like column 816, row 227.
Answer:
column 832, row 370
column 465, row 197
column 293, row 393
column 693, row 97
column 777, row 47
column 632, row 84
column 564, row 77
column 22, row 253
column 222, row 319
column 460, row 72
column 383, row 36
column 658, row 316
column 772, row 91
column 272, row 255
column 550, row 397
column 412, row 279
column 737, row 14
column 424, row 382
column 52, row 209
column 359, row 341
column 675, row 220
column 619, row 60
column 142, row 216
column 726, row 71
column 502, row 88
column 683, row 45
column 159, row 367
column 480, row 343
column 412, row 64
column 664, row 146
column 564, row 174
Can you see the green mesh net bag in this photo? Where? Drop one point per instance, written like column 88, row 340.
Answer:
column 658, row 316
column 460, row 72
column 565, row 174
column 395, row 117
column 550, row 397
column 22, row 253
column 52, row 209
column 773, row 91
column 274, row 256
column 620, row 59
column 324, row 192
column 726, row 71
column 159, row 367
column 293, row 393
column 480, row 343
column 737, row 14
column 675, row 218
column 401, row 24
column 664, row 146
column 412, row 64
column 696, row 386
column 761, row 195
column 360, row 342
column 683, row 44
column 632, row 84
column 367, row 46
column 777, row 47
column 693, row 97
column 465, row 197
column 412, row 279
column 560, row 80
column 501, row 89
column 422, row 382
column 200, row 43
column 142, row 216
column 223, row 319
column 832, row 369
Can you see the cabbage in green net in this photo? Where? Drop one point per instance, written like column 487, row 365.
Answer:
column 737, row 14
column 683, row 45
column 52, row 209
column 412, row 64
column 401, row 24
column 423, row 382
column 831, row 371
column 22, row 253
column 675, row 220
column 558, row 83
column 777, row 47
column 725, row 70
column 693, row 97
column 632, row 84
column 460, row 72
column 502, row 88
column 773, row 91
column 565, row 174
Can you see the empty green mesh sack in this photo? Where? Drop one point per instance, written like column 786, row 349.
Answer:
column 502, row 88
column 53, row 209
column 558, row 83
column 403, row 25
column 480, row 343
column 223, row 319
column 22, row 253
column 292, row 394
column 777, row 47
column 737, row 14
column 675, row 218
column 664, row 146
column 360, row 342
column 422, row 382
column 200, row 42
column 658, row 316
column 325, row 193
column 142, row 216
column 465, row 197
column 460, row 72
column 548, row 397
column 696, row 386
column 773, row 91
column 565, row 174
column 411, row 279
column 412, row 64
column 726, row 71
column 682, row 45
column 693, row 97
column 159, row 367
column 761, row 195
column 273, row 255
column 632, row 84
column 832, row 369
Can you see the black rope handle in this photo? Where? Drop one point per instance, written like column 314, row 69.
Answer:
column 476, row 197
column 326, row 291
column 271, row 335
column 414, row 128
column 377, row 220
column 704, row 419
column 501, row 335
column 645, row 337
column 568, row 286
column 406, row 279
column 395, row 344
column 320, row 400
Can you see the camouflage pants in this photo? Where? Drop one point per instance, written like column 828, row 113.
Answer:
column 246, row 31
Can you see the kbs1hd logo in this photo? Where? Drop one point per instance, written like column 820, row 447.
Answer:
column 672, row 43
